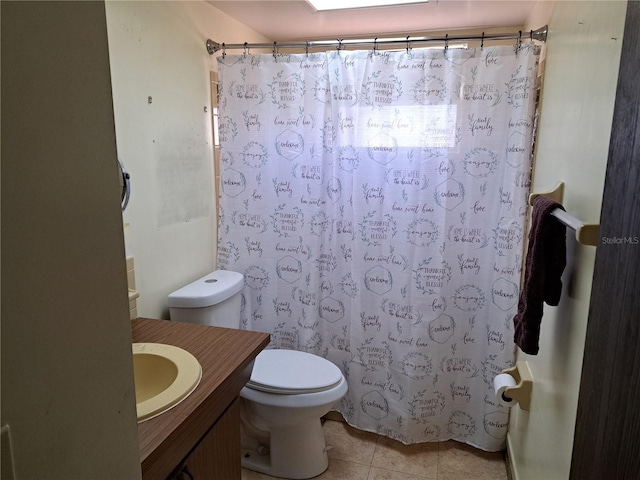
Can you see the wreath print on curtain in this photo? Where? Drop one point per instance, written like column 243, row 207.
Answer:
column 375, row 203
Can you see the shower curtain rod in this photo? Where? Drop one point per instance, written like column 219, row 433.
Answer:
column 540, row 34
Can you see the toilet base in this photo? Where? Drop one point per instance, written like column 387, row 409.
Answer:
column 294, row 452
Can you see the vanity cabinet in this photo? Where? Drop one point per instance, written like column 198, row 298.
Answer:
column 217, row 456
column 199, row 438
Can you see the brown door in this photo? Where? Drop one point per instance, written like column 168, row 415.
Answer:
column 607, row 436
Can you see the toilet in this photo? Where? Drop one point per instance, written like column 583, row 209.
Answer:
column 288, row 393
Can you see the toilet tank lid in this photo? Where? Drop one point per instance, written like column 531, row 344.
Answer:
column 209, row 290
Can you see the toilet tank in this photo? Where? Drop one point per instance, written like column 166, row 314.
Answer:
column 211, row 300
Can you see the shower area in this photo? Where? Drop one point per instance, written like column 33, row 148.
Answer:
column 375, row 201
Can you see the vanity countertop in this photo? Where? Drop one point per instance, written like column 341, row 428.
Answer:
column 226, row 357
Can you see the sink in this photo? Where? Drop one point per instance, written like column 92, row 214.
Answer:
column 164, row 376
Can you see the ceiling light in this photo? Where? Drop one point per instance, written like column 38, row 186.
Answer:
column 320, row 5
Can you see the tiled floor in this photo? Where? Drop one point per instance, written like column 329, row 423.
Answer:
column 358, row 455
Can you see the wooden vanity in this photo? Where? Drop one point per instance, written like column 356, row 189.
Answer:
column 201, row 433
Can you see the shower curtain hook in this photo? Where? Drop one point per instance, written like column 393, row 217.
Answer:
column 306, row 48
column 275, row 51
column 375, row 45
column 446, row 45
column 408, row 44
column 339, row 47
column 482, row 42
column 518, row 42
column 224, row 51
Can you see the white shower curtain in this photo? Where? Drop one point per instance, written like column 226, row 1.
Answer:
column 375, row 203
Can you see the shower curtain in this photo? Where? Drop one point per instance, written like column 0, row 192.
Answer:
column 375, row 203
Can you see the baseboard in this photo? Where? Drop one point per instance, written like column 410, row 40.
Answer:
column 512, row 472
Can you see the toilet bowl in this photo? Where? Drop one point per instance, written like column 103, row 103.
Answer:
column 282, row 404
column 288, row 393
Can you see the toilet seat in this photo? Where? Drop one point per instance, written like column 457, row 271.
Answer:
column 290, row 372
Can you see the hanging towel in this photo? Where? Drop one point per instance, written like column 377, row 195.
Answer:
column 546, row 259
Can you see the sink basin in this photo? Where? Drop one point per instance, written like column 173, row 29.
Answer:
column 164, row 376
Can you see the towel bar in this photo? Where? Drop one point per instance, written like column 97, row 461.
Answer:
column 586, row 233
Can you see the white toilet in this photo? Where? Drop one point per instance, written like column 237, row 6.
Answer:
column 288, row 393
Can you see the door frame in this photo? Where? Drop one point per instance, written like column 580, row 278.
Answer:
column 607, row 435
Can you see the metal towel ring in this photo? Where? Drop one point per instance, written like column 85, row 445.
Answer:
column 126, row 186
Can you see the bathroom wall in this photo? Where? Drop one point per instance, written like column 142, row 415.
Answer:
column 157, row 50
column 67, row 376
column 582, row 58
column 161, row 94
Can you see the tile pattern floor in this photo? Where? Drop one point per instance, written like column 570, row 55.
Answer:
column 357, row 455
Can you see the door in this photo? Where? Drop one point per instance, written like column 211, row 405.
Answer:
column 607, row 436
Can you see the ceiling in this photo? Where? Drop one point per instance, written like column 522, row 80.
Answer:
column 296, row 20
